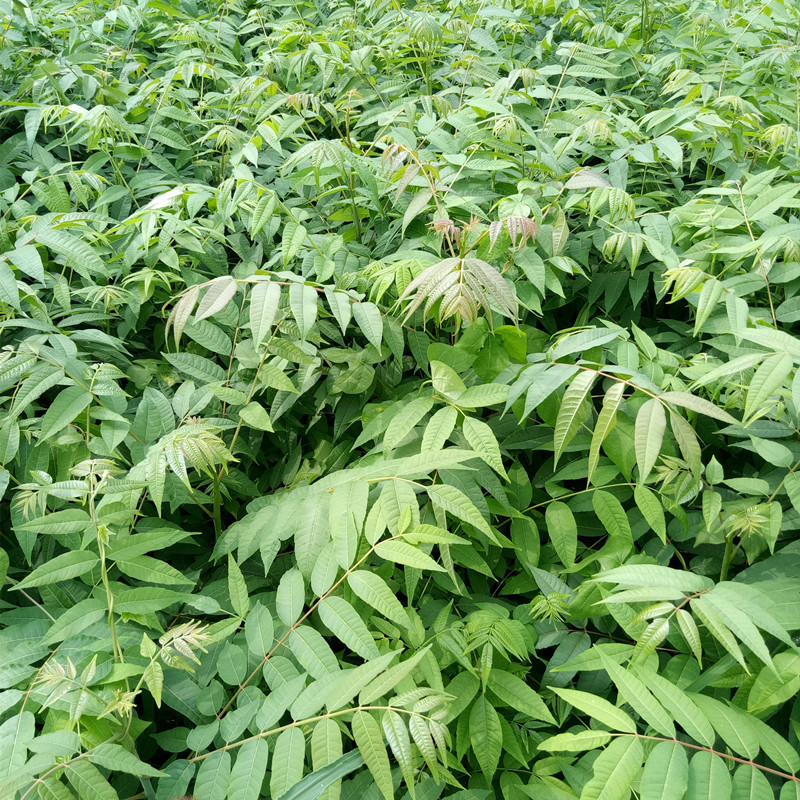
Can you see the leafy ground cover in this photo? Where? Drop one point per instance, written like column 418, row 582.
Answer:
column 399, row 401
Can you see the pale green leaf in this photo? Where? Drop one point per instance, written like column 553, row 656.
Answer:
column 614, row 770
column 598, row 708
column 288, row 760
column 651, row 422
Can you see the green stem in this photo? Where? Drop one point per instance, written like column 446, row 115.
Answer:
column 217, row 507
column 727, row 558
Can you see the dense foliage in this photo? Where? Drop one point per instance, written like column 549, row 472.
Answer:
column 399, row 400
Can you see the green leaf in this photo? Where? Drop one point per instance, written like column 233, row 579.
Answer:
column 708, row 615
column 734, row 728
column 265, row 298
column 455, row 502
column 383, row 684
column 666, row 773
column 405, row 421
column 294, row 237
column 417, row 205
column 303, row 305
column 708, row 778
column 614, row 770
column 397, row 737
column 117, row 759
column 313, row 652
column 9, row 291
column 575, row 742
column 368, row 318
column 313, row 785
column 372, row 589
column 636, row 694
column 651, row 422
column 648, row 503
column 598, row 708
column 259, row 630
column 217, row 296
column 346, row 624
column 563, row 531
column 63, row 410
column 369, row 740
column 572, row 411
column 237, row 588
column 249, row 770
column 27, row 259
column 486, row 735
column 698, row 404
column 352, row 681
column 16, row 734
column 288, row 760
column 61, row 568
column 653, row 575
column 610, row 512
column 483, row 441
column 482, row 396
column 201, row 369
column 439, row 428
column 90, row 784
column 290, row 599
column 256, row 416
column 582, row 340
column 70, row 520
column 213, row 776
column 514, row 692
column 768, row 378
column 606, row 420
column 680, row 705
column 326, row 749
column 750, row 783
